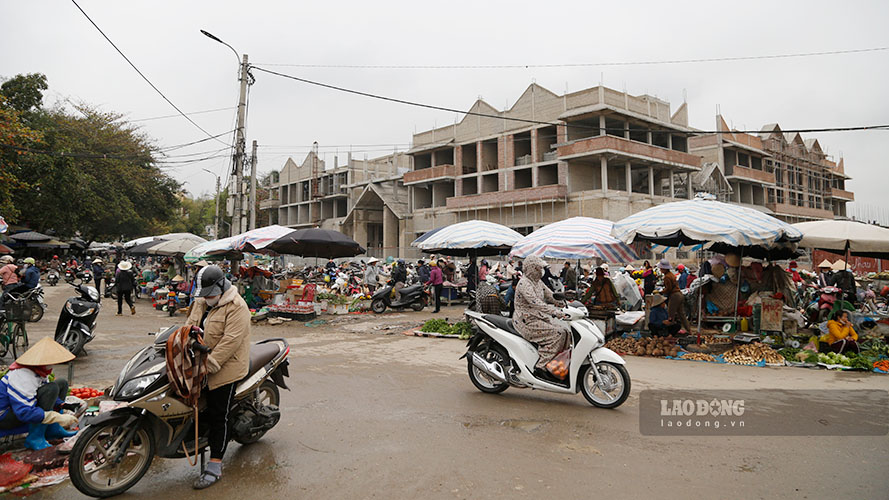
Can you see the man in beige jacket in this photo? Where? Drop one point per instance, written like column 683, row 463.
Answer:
column 225, row 318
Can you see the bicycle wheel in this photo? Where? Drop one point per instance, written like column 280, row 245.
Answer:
column 5, row 338
column 19, row 340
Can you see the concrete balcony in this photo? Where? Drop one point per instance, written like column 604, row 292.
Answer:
column 269, row 204
column 431, row 174
column 750, row 174
column 842, row 194
column 787, row 209
column 603, row 144
column 554, row 192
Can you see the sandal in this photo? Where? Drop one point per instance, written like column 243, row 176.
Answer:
column 205, row 480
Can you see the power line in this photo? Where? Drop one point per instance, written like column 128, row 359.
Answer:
column 180, row 146
column 582, row 65
column 176, row 116
column 538, row 122
column 140, row 73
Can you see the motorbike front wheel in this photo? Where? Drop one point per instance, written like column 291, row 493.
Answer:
column 378, row 306
column 608, row 387
column 92, row 467
column 75, row 341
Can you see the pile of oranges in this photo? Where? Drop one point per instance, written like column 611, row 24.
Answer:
column 558, row 368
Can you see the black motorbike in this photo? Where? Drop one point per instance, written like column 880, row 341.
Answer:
column 414, row 296
column 77, row 322
column 70, row 276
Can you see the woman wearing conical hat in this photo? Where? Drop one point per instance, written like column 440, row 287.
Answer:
column 28, row 397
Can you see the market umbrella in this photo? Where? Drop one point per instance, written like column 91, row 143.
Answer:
column 313, row 242
column 173, row 247
column 221, row 248
column 720, row 227
column 51, row 243
column 30, row 236
column 574, row 239
column 474, row 237
column 260, row 237
column 164, row 237
column 77, row 242
column 142, row 248
column 426, row 235
column 858, row 238
column 5, row 249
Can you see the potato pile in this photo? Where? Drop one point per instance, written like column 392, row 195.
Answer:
column 698, row 356
column 751, row 354
column 622, row 345
column 661, row 346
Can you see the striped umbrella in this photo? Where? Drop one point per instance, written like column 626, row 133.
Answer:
column 720, row 226
column 261, row 237
column 471, row 237
column 222, row 247
column 574, row 239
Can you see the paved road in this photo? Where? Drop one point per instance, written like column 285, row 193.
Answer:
column 375, row 414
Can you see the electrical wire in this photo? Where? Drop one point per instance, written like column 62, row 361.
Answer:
column 180, row 146
column 189, row 114
column 141, row 74
column 580, row 65
column 538, row 122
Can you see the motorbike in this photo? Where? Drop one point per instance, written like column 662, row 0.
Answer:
column 36, row 304
column 115, row 449
column 498, row 357
column 52, row 277
column 414, row 296
column 818, row 310
column 70, row 276
column 77, row 321
column 175, row 298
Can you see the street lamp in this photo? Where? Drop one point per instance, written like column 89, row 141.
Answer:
column 215, row 217
column 238, row 222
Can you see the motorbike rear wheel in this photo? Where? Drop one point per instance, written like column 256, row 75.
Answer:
column 91, row 467
column 419, row 305
column 482, row 382
column 378, row 306
column 268, row 395
column 608, row 388
column 36, row 312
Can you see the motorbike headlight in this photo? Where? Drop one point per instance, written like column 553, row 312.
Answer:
column 137, row 385
column 79, row 313
column 93, row 293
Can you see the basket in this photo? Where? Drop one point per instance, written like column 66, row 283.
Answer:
column 18, row 310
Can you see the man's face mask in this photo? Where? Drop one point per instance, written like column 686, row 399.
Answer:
column 213, row 300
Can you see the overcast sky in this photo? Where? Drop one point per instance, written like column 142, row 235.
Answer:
column 285, row 117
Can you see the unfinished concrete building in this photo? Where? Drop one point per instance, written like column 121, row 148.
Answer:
column 599, row 153
column 342, row 197
column 777, row 173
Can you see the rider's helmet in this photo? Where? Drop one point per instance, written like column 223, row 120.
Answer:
column 55, row 256
column 29, row 261
column 211, row 281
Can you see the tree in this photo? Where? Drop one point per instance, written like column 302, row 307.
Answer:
column 25, row 92
column 13, row 134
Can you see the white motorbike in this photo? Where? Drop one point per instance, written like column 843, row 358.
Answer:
column 499, row 357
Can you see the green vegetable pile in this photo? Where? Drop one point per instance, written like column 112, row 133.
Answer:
column 461, row 329
column 789, row 353
column 833, row 358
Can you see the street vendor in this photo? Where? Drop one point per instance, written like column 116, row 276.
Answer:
column 28, row 397
column 649, row 278
column 371, row 274
column 824, row 274
column 487, row 298
column 682, row 279
column 535, row 317
column 659, row 323
column 675, row 299
column 601, row 294
column 841, row 336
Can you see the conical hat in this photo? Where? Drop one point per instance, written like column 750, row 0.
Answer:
column 44, row 353
column 839, row 265
column 825, row 263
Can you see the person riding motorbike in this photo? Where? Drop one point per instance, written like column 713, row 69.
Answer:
column 28, row 397
column 535, row 319
column 399, row 278
column 223, row 315
column 9, row 273
column 55, row 264
column 31, row 274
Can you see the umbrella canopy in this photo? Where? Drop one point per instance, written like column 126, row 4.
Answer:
column 5, row 249
column 51, row 243
column 172, row 247
column 30, row 236
column 471, row 237
column 313, row 242
column 865, row 240
column 77, row 242
column 426, row 236
column 142, row 248
column 164, row 237
column 575, row 238
column 722, row 227
column 260, row 238
column 222, row 247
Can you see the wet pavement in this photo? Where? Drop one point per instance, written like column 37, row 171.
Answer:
column 375, row 414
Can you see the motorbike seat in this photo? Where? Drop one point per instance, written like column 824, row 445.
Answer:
column 502, row 323
column 260, row 355
column 410, row 289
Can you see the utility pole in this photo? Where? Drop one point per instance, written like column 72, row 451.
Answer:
column 253, row 188
column 215, row 217
column 238, row 221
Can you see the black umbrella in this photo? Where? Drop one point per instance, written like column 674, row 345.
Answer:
column 143, row 248
column 314, row 243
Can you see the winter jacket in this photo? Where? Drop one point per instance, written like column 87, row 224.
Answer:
column 435, row 277
column 32, row 277
column 227, row 332
column 124, row 281
column 423, row 272
column 399, row 274
column 18, row 393
column 370, row 275
column 9, row 275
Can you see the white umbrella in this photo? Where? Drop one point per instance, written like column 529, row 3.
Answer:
column 471, row 237
column 173, row 247
column 575, row 238
column 866, row 240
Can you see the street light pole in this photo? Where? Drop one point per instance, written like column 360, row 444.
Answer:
column 215, row 217
column 238, row 157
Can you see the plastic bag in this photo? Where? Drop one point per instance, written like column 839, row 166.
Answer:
column 558, row 366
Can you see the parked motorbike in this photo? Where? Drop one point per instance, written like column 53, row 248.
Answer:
column 818, row 310
column 414, row 296
column 77, row 321
column 175, row 298
column 499, row 357
column 52, row 277
column 115, row 449
column 37, row 305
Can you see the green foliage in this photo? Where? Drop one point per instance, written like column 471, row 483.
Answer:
column 122, row 195
column 461, row 329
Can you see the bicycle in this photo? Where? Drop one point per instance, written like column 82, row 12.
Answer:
column 15, row 315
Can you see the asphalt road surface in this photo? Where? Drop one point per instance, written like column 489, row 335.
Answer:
column 376, row 414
